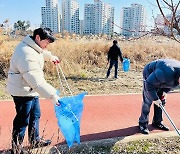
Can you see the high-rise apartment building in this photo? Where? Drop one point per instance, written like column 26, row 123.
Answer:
column 89, row 22
column 133, row 20
column 98, row 18
column 70, row 16
column 103, row 17
column 51, row 15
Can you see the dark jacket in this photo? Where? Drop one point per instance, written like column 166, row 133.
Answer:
column 162, row 74
column 114, row 53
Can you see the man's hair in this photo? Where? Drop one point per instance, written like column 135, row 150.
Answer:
column 44, row 33
column 115, row 42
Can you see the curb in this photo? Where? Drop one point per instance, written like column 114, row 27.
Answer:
column 105, row 142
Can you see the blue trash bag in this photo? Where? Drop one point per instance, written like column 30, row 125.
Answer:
column 69, row 117
column 126, row 64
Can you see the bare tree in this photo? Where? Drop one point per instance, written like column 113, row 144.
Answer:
column 172, row 21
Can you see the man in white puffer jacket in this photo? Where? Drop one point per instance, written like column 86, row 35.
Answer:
column 26, row 82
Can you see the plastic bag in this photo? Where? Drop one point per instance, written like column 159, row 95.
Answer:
column 69, row 117
column 126, row 64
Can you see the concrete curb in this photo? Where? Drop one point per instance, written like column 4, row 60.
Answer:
column 105, row 142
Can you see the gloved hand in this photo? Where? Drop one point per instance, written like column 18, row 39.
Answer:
column 164, row 96
column 157, row 102
column 55, row 100
column 55, row 59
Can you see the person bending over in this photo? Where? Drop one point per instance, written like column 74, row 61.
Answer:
column 159, row 77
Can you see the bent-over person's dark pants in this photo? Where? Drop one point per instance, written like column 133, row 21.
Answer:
column 146, row 105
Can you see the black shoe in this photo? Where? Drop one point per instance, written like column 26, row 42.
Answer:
column 144, row 130
column 161, row 126
column 41, row 143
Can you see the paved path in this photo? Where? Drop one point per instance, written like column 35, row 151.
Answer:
column 104, row 116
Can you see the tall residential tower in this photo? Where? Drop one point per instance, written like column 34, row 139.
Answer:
column 89, row 19
column 70, row 16
column 133, row 21
column 98, row 18
column 51, row 15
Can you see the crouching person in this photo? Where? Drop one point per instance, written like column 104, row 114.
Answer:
column 159, row 77
column 26, row 82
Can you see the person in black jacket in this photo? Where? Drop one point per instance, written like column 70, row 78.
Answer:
column 159, row 77
column 113, row 54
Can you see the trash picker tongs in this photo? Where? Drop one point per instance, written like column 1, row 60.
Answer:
column 163, row 109
column 67, row 85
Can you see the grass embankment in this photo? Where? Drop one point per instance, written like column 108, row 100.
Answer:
column 158, row 145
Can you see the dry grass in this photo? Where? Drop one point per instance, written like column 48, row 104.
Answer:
column 86, row 54
column 82, row 54
column 84, row 61
column 158, row 145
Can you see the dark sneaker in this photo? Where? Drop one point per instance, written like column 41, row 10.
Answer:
column 41, row 143
column 144, row 130
column 161, row 126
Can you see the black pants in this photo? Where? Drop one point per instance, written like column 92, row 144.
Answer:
column 144, row 117
column 115, row 64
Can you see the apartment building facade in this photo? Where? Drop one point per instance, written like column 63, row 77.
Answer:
column 98, row 18
column 51, row 15
column 133, row 20
column 70, row 16
column 89, row 22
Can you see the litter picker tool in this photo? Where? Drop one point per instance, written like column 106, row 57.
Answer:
column 163, row 109
column 61, row 83
column 70, row 111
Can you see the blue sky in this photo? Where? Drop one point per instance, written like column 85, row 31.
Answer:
column 25, row 10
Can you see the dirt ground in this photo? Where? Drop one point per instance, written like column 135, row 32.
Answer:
column 95, row 82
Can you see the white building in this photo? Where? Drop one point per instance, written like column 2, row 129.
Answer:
column 70, row 16
column 81, row 25
column 51, row 15
column 89, row 19
column 98, row 18
column 104, row 18
column 133, row 20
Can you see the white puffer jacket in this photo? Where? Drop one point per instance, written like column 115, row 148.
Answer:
column 26, row 76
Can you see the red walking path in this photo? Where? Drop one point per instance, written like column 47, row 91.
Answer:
column 104, row 116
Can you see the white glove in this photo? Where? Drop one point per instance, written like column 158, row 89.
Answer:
column 158, row 102
column 55, row 59
column 164, row 96
column 55, row 99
